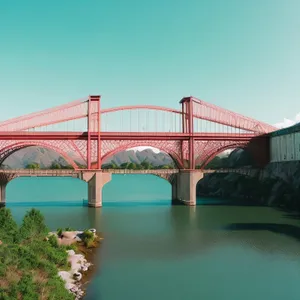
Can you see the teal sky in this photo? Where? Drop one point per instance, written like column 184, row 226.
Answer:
column 242, row 55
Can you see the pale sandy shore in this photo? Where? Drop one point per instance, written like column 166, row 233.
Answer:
column 78, row 262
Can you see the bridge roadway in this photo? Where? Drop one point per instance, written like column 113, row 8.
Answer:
column 183, row 181
column 77, row 173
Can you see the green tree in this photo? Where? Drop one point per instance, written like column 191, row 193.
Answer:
column 105, row 166
column 217, row 163
column 166, row 167
column 33, row 166
column 69, row 167
column 55, row 165
column 33, row 224
column 37, row 261
column 113, row 165
column 146, row 165
column 8, row 227
column 124, row 165
column 132, row 166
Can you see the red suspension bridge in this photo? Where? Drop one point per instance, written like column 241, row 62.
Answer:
column 86, row 135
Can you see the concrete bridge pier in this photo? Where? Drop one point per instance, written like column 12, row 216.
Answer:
column 2, row 193
column 184, row 187
column 96, row 181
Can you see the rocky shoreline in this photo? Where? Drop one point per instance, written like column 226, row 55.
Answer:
column 74, row 278
column 277, row 185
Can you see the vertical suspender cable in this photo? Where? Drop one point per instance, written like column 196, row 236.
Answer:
column 122, row 119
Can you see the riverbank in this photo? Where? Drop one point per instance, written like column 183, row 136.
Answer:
column 32, row 261
column 277, row 185
column 81, row 258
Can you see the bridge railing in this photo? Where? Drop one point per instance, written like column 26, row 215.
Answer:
column 71, row 172
column 33, row 172
column 244, row 171
column 150, row 171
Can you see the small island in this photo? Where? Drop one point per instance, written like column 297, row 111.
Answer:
column 39, row 264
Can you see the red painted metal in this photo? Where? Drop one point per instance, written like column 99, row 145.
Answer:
column 91, row 147
column 88, row 145
column 168, row 146
column 213, row 113
column 212, row 149
column 70, row 111
column 7, row 148
column 99, row 136
column 146, row 107
column 23, row 135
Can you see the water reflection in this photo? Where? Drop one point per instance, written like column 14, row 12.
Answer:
column 147, row 247
column 153, row 250
column 284, row 229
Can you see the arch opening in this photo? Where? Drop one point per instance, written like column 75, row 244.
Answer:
column 30, row 191
column 137, row 188
column 141, row 158
column 35, row 156
column 223, row 185
column 232, row 156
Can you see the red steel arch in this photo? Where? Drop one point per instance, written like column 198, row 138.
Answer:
column 217, row 150
column 182, row 139
column 132, row 107
column 10, row 149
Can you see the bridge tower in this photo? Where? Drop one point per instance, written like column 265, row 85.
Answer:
column 94, row 125
column 188, row 128
column 186, row 139
column 184, row 183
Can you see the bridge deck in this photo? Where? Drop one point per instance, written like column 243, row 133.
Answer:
column 75, row 173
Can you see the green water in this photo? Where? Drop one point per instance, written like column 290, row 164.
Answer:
column 153, row 250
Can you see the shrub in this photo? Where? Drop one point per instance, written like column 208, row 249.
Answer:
column 27, row 288
column 88, row 238
column 8, row 227
column 52, row 240
column 69, row 229
column 29, row 269
column 59, row 231
column 33, row 225
column 72, row 247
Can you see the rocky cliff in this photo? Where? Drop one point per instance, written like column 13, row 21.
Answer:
column 277, row 185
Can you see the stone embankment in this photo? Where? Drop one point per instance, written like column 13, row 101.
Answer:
column 278, row 184
column 78, row 262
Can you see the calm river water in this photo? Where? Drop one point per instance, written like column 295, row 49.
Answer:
column 153, row 250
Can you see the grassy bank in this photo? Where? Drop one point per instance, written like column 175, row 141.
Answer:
column 29, row 261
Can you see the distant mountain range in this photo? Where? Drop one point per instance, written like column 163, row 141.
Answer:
column 45, row 158
column 136, row 156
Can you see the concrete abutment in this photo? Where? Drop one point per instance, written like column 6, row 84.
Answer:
column 184, row 187
column 2, row 194
column 96, row 181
